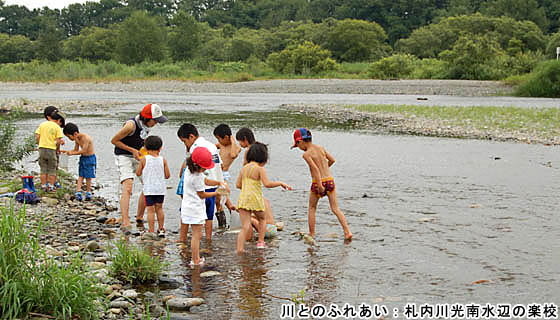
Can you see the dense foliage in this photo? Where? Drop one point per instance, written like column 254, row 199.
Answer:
column 457, row 39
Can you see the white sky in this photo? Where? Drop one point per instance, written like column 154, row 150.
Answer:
column 53, row 4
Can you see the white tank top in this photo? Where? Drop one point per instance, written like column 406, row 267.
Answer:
column 153, row 176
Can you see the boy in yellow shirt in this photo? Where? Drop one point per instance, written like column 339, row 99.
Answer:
column 49, row 137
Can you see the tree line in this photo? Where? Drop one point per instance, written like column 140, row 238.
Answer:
column 292, row 36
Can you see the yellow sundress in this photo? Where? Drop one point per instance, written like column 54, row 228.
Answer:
column 251, row 197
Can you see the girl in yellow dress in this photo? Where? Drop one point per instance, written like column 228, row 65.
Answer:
column 251, row 179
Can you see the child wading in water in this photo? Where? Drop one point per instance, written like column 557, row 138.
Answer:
column 83, row 146
column 229, row 150
column 154, row 170
column 251, row 179
column 319, row 162
column 193, row 208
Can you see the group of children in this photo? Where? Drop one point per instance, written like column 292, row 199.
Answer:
column 204, row 178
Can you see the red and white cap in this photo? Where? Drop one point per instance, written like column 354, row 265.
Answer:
column 153, row 111
column 202, row 157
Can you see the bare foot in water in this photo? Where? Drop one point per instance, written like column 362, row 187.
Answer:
column 348, row 236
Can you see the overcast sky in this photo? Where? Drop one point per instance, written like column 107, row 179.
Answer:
column 53, row 4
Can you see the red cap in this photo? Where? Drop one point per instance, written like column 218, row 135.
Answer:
column 202, row 157
column 300, row 134
column 153, row 111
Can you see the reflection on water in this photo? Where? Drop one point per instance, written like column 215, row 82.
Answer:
column 429, row 216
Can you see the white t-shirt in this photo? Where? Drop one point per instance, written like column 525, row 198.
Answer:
column 216, row 172
column 153, row 176
column 193, row 208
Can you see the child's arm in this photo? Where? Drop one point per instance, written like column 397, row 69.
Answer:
column 210, row 182
column 166, row 169
column 204, row 194
column 59, row 141
column 77, row 150
column 38, row 137
column 272, row 184
column 182, row 168
column 235, row 149
column 329, row 158
column 127, row 129
column 239, row 178
column 141, row 167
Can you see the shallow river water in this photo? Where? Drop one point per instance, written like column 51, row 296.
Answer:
column 430, row 216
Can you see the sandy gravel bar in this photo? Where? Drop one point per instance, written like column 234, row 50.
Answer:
column 421, row 87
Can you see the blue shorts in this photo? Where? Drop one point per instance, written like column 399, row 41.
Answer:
column 87, row 166
column 180, row 185
column 150, row 200
column 210, row 205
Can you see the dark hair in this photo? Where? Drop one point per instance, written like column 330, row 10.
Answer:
column 222, row 130
column 153, row 143
column 70, row 129
column 193, row 167
column 245, row 134
column 307, row 139
column 258, row 152
column 48, row 111
column 186, row 130
column 55, row 115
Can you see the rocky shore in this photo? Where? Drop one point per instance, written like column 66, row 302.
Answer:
column 69, row 227
column 397, row 123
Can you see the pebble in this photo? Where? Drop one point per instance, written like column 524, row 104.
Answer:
column 97, row 265
column 49, row 201
column 209, row 274
column 184, row 303
column 120, row 304
column 100, row 259
column 115, row 310
column 93, row 246
column 130, row 294
column 74, row 249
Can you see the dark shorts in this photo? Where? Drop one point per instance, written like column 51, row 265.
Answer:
column 328, row 184
column 48, row 161
column 87, row 166
column 153, row 199
column 210, row 205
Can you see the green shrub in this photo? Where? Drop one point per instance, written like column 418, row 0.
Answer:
column 429, row 69
column 135, row 265
column 12, row 149
column 395, row 66
column 305, row 58
column 30, row 281
column 543, row 82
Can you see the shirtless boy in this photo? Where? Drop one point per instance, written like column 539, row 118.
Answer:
column 319, row 162
column 229, row 150
column 83, row 146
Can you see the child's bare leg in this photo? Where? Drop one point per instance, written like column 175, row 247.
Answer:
column 208, row 229
column 183, row 233
column 52, row 179
column 88, row 184
column 262, row 225
column 151, row 218
column 255, row 225
column 160, row 215
column 341, row 218
column 195, row 242
column 79, row 184
column 219, row 203
column 245, row 217
column 230, row 205
column 313, row 199
column 43, row 177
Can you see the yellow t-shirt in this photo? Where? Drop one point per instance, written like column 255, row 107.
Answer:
column 48, row 131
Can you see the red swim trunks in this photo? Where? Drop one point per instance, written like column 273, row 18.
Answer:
column 328, row 184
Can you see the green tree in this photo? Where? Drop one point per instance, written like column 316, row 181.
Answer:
column 517, row 9
column 553, row 43
column 48, row 45
column 185, row 36
column 140, row 38
column 93, row 44
column 357, row 40
column 305, row 58
column 16, row 48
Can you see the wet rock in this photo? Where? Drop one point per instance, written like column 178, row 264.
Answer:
column 49, row 201
column 93, row 246
column 184, row 303
column 101, row 219
column 120, row 304
column 130, row 294
column 166, row 283
column 210, row 274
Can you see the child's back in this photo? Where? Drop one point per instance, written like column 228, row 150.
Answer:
column 153, row 176
column 320, row 158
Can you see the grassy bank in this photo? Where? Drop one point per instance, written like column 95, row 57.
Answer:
column 542, row 124
column 65, row 70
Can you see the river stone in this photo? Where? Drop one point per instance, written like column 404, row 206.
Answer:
column 115, row 310
column 120, row 304
column 101, row 219
column 209, row 274
column 97, row 265
column 184, row 303
column 73, row 248
column 93, row 246
column 49, row 201
column 166, row 283
column 130, row 294
column 52, row 251
column 4, row 189
column 100, row 259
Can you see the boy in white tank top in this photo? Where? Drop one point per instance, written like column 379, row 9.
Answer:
column 154, row 170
